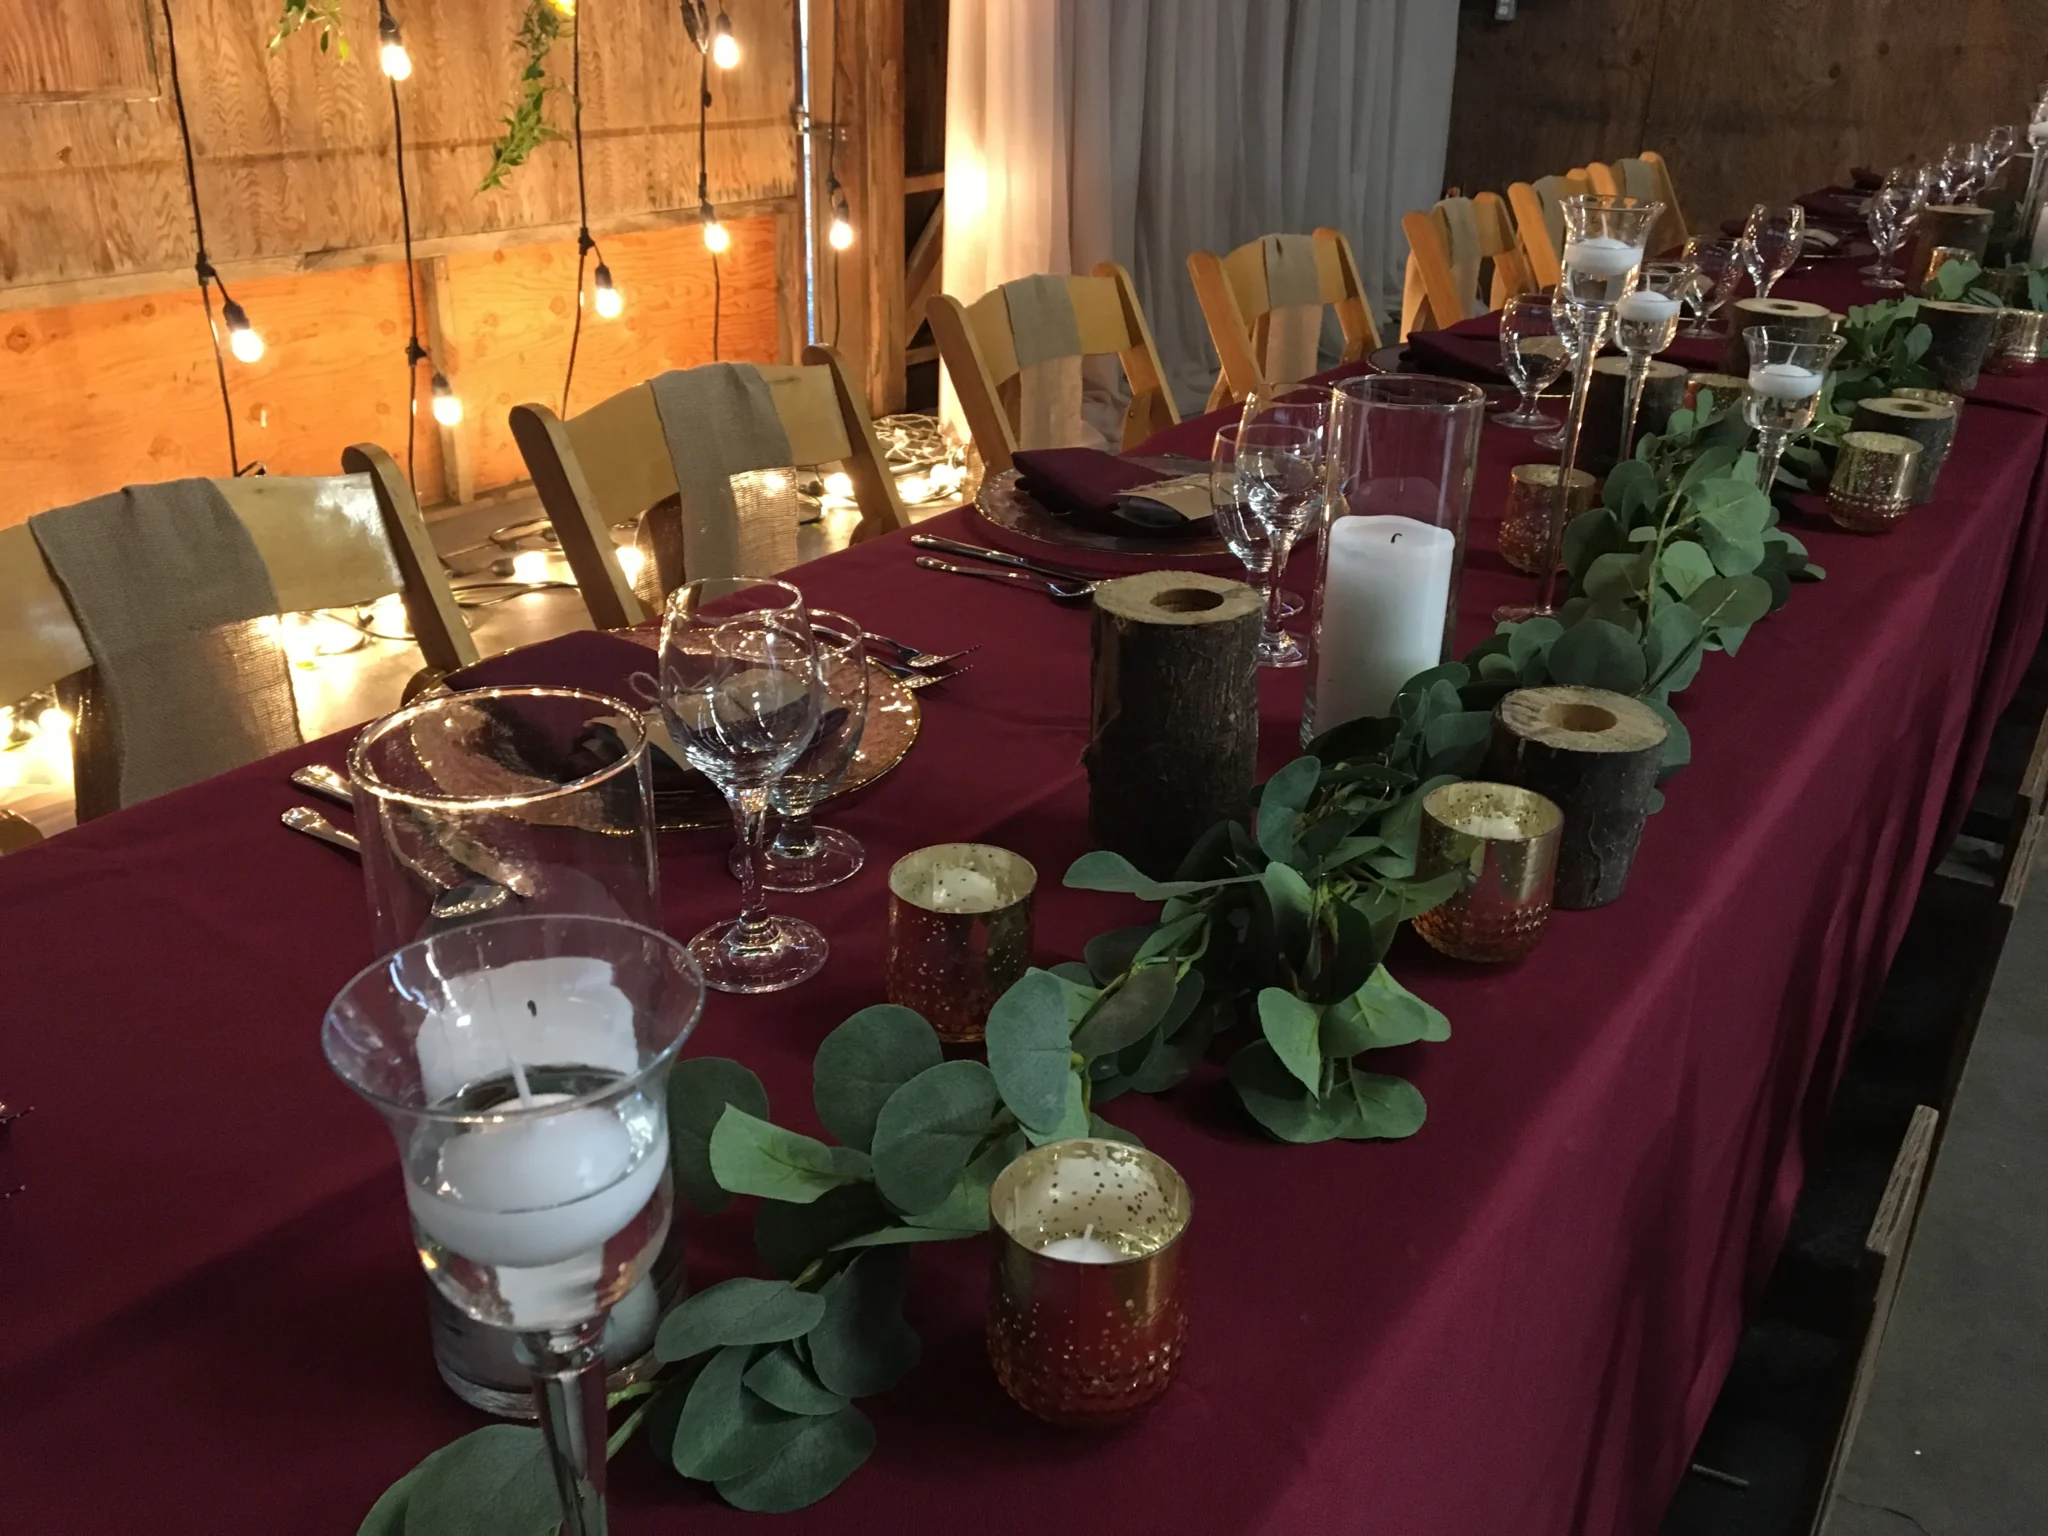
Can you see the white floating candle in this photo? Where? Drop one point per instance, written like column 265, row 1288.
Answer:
column 1784, row 381
column 1081, row 1250
column 1386, row 590
column 1491, row 826
column 1648, row 305
column 1601, row 256
column 564, row 1008
column 963, row 890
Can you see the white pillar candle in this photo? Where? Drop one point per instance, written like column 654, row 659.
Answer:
column 1647, row 305
column 1601, row 256
column 1784, row 381
column 1386, row 590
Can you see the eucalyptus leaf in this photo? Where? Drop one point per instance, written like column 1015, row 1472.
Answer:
column 1388, row 1107
column 1684, row 566
column 791, row 1237
column 1616, row 577
column 824, row 1452
column 1110, row 954
column 863, row 1346
column 929, row 1129
column 1293, row 905
column 1131, row 1012
column 741, row 1311
column 1595, row 653
column 750, row 1156
column 1073, row 1119
column 1349, row 957
column 1457, row 743
column 1392, row 1015
column 1290, row 1027
column 1677, row 739
column 1672, row 646
column 699, row 1089
column 1277, row 1099
column 1595, row 532
column 1281, row 802
column 1029, row 1049
column 725, row 1429
column 1104, row 871
column 1530, row 641
column 782, row 1381
column 495, row 1481
column 1170, row 935
column 865, row 1060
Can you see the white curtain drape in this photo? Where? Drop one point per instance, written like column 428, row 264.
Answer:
column 1139, row 130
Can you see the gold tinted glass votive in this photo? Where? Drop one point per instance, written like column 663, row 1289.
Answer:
column 2016, row 339
column 1085, row 1320
column 1873, row 481
column 1727, row 389
column 959, row 932
column 1938, row 257
column 1532, row 501
column 1503, row 842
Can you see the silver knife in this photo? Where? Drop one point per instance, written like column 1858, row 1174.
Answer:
column 998, row 557
column 318, row 779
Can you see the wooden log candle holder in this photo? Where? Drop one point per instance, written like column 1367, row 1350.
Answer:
column 1663, row 393
column 1962, row 339
column 1930, row 423
column 1174, row 724
column 1596, row 754
column 1793, row 319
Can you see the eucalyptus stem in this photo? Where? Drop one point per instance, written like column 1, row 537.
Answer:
column 624, row 1432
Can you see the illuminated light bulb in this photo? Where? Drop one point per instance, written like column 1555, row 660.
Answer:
column 725, row 48
column 53, row 720
column 774, row 482
column 841, row 233
column 530, row 565
column 391, row 55
column 840, row 484
column 715, row 237
column 447, row 404
column 630, row 561
column 608, row 301
column 566, row 7
column 915, row 488
column 242, row 338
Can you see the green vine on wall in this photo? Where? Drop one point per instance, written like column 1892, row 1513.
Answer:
column 526, row 125
column 324, row 16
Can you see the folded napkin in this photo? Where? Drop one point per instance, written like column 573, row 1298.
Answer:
column 1110, row 493
column 1166, row 504
column 1458, row 354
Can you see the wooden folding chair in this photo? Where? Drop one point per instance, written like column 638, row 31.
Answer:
column 979, row 347
column 610, row 464
column 1449, row 248
column 1237, row 303
column 1538, row 208
column 1879, row 1267
column 1645, row 177
column 332, row 541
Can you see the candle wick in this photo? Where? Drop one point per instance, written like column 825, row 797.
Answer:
column 1394, row 538
column 1087, row 1231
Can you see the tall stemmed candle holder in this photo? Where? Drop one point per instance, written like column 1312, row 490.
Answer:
column 1645, row 323
column 1397, row 490
column 1785, row 379
column 521, row 1065
column 1604, row 239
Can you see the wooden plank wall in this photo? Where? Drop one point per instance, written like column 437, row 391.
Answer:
column 104, row 366
column 1748, row 99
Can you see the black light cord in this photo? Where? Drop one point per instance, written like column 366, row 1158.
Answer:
column 585, row 245
column 706, row 212
column 832, row 187
column 415, row 354
column 202, row 268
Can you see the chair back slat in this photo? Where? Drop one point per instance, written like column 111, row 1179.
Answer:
column 1647, row 178
column 1538, row 208
column 1235, row 293
column 1449, row 247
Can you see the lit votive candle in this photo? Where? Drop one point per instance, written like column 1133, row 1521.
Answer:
column 1601, row 256
column 1784, row 381
column 959, row 932
column 1647, row 305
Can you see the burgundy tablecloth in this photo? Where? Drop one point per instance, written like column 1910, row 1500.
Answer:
column 1515, row 1321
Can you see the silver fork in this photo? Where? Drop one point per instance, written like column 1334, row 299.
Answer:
column 928, row 679
column 908, row 655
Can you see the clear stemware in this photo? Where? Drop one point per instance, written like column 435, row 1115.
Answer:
column 1785, row 379
column 521, row 1065
column 803, row 855
column 1645, row 323
column 2000, row 145
column 1263, row 479
column 1892, row 209
column 1532, row 353
column 1772, row 241
column 741, row 694
column 1718, row 266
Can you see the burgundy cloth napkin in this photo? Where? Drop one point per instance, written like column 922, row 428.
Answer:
column 1842, row 206
column 1458, row 353
column 1080, row 481
column 595, row 660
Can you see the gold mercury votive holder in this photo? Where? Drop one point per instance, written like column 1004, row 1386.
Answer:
column 959, row 933
column 2017, row 338
column 1872, row 486
column 1939, row 257
column 1532, row 502
column 1085, row 1319
column 1727, row 389
column 1503, row 842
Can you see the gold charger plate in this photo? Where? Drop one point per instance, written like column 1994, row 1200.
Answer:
column 891, row 728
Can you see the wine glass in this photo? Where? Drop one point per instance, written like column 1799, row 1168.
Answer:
column 2000, row 145
column 741, row 694
column 1645, row 323
column 1892, row 209
column 521, row 1065
column 1717, row 269
column 1957, row 172
column 1772, row 241
column 1298, row 405
column 805, row 856
column 1262, row 482
column 1785, row 379
column 1533, row 355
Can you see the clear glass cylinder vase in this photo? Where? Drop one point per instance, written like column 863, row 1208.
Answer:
column 1397, row 492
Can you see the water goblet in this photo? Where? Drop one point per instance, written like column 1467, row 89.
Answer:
column 1263, row 480
column 1298, row 405
column 1645, row 323
column 1772, row 241
column 804, row 856
column 521, row 1065
column 1785, row 379
column 2000, row 145
column 1532, row 353
column 1718, row 266
column 741, row 694
column 1893, row 208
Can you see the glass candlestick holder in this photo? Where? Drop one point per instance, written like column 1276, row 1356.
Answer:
column 1645, row 323
column 1785, row 379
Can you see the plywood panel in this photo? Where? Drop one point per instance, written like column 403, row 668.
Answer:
column 294, row 146
column 511, row 312
column 81, row 49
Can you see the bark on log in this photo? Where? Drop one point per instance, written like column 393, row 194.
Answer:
column 1794, row 319
column 1930, row 423
column 1596, row 754
column 1663, row 393
column 1174, row 724
column 1962, row 338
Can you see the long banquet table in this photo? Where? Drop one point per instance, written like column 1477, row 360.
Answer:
column 1514, row 1321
